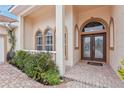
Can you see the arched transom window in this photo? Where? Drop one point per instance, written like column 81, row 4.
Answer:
column 93, row 26
column 38, row 40
column 48, row 40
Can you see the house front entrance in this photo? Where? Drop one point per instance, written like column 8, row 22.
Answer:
column 93, row 47
column 94, row 40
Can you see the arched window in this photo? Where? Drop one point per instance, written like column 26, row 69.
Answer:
column 93, row 26
column 38, row 39
column 49, row 40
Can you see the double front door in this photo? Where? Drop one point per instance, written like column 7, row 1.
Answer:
column 93, row 47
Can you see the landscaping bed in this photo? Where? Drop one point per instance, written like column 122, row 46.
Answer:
column 39, row 67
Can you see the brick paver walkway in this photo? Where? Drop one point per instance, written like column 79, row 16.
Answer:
column 11, row 77
column 83, row 77
column 94, row 76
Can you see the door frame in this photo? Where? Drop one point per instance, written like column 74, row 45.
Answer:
column 105, row 31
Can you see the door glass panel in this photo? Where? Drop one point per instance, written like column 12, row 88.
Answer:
column 91, row 29
column 99, row 47
column 86, row 47
column 93, row 26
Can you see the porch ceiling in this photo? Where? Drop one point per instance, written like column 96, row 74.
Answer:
column 41, row 11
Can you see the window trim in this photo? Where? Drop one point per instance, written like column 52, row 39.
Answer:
column 76, row 43
column 111, row 33
column 92, row 19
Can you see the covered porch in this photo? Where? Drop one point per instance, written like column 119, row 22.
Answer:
column 66, row 25
column 48, row 30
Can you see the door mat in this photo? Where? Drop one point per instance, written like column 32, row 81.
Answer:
column 95, row 64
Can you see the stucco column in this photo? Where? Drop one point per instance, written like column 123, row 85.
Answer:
column 21, row 33
column 60, row 27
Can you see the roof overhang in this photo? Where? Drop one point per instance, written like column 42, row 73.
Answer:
column 18, row 9
column 7, row 19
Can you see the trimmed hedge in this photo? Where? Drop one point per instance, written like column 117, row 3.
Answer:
column 40, row 67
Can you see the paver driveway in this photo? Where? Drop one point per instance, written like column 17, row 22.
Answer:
column 11, row 77
column 95, row 76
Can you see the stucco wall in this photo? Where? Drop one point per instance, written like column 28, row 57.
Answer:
column 28, row 33
column 75, row 21
column 47, row 19
column 42, row 18
column 117, row 54
column 69, row 25
column 100, row 12
column 72, row 17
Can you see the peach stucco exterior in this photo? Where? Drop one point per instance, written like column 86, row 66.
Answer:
column 117, row 55
column 35, row 18
column 38, row 21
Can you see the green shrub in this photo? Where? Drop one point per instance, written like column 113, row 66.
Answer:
column 19, row 58
column 121, row 72
column 44, row 62
column 51, row 77
column 40, row 67
column 29, row 65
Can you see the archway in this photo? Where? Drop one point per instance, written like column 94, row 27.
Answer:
column 94, row 40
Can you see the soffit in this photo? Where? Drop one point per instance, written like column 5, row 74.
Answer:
column 83, row 8
column 41, row 11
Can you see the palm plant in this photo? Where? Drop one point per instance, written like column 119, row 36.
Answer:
column 12, row 40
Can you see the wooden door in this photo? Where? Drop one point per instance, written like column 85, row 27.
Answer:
column 93, row 47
